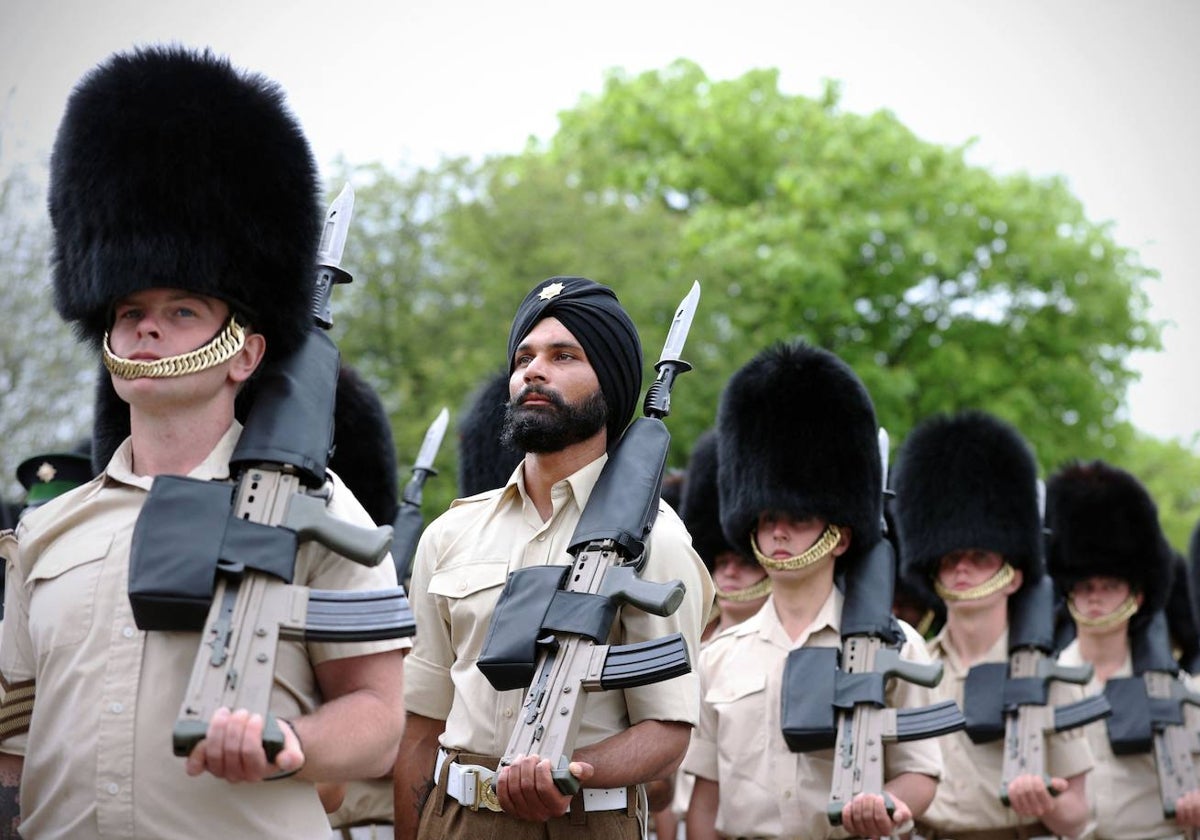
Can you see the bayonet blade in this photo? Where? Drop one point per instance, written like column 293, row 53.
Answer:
column 337, row 228
column 681, row 324
column 432, row 441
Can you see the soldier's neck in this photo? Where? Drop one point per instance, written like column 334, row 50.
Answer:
column 175, row 444
column 798, row 598
column 975, row 629
column 545, row 469
column 1107, row 651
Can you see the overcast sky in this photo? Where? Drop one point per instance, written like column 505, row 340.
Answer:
column 1104, row 93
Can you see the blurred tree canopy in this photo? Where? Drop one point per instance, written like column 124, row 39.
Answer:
column 945, row 286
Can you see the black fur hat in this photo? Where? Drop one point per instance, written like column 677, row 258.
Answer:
column 796, row 433
column 484, row 461
column 966, row 481
column 700, row 505
column 364, row 451
column 1193, row 563
column 1181, row 616
column 1103, row 522
column 173, row 169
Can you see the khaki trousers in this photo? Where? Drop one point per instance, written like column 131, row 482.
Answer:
column 445, row 818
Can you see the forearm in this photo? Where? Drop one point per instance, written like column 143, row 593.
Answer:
column 354, row 735
column 702, row 810
column 412, row 778
column 1069, row 815
column 916, row 790
column 10, row 787
column 651, row 749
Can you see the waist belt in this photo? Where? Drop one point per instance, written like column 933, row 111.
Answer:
column 1032, row 831
column 473, row 785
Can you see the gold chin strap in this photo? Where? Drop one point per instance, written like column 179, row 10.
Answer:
column 995, row 583
column 219, row 349
column 815, row 552
column 1122, row 613
column 748, row 593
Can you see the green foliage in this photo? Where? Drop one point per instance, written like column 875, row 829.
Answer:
column 944, row 285
column 1170, row 471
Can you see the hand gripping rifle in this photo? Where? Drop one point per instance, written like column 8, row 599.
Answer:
column 562, row 615
column 1011, row 700
column 219, row 557
column 837, row 698
column 1148, row 712
column 407, row 527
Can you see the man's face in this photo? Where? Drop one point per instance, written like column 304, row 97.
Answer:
column 1099, row 596
column 156, row 323
column 554, row 396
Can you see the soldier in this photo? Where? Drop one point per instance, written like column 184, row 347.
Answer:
column 575, row 363
column 46, row 476
column 969, row 530
column 1108, row 553
column 184, row 203
column 800, row 489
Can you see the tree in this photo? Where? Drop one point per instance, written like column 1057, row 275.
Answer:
column 45, row 375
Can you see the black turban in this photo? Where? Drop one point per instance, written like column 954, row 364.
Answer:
column 602, row 327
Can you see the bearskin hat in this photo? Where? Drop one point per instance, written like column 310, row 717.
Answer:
column 364, row 451
column 700, row 505
column 796, row 433
column 1103, row 522
column 484, row 460
column 1193, row 563
column 173, row 169
column 1181, row 616
column 966, row 481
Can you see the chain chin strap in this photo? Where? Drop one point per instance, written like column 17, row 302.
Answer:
column 1122, row 613
column 219, row 349
column 747, row 593
column 995, row 583
column 815, row 552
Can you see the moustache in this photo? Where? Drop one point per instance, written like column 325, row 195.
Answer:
column 525, row 393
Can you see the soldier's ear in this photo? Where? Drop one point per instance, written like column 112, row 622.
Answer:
column 843, row 543
column 1014, row 585
column 247, row 360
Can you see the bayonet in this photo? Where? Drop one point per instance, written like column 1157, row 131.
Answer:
column 408, row 525
column 670, row 363
column 329, row 255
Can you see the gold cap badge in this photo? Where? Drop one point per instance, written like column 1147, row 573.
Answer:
column 46, row 473
column 551, row 291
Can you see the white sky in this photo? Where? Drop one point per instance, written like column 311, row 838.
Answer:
column 1099, row 91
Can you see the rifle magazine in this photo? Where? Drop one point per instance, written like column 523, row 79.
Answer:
column 1081, row 713
column 929, row 721
column 357, row 616
column 643, row 663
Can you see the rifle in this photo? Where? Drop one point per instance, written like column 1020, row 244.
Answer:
column 1148, row 712
column 561, row 615
column 837, row 699
column 408, row 524
column 1012, row 699
column 245, row 536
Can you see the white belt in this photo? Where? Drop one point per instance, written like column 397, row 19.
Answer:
column 472, row 785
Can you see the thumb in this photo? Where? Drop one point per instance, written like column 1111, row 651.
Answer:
column 581, row 770
column 1058, row 785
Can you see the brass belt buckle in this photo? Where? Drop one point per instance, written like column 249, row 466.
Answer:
column 485, row 794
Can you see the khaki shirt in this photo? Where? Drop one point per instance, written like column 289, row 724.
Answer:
column 969, row 796
column 765, row 789
column 462, row 561
column 1122, row 790
column 98, row 754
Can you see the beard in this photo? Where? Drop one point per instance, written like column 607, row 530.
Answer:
column 555, row 427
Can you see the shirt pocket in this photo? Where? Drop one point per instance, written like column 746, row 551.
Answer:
column 740, row 703
column 469, row 591
column 62, row 591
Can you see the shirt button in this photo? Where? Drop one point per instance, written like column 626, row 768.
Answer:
column 787, row 794
column 127, row 632
column 113, row 788
column 116, row 708
column 462, row 585
column 542, row 538
column 508, row 713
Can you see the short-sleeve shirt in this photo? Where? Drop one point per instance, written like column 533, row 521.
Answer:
column 98, row 759
column 1122, row 790
column 968, row 797
column 461, row 564
column 765, row 790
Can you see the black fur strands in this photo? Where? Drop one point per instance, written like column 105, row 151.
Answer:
column 1181, row 616
column 700, row 505
column 364, row 451
column 966, row 481
column 797, row 434
column 485, row 462
column 1103, row 522
column 173, row 169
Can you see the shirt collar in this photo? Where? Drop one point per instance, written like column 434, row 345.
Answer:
column 942, row 646
column 215, row 467
column 579, row 483
column 765, row 622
